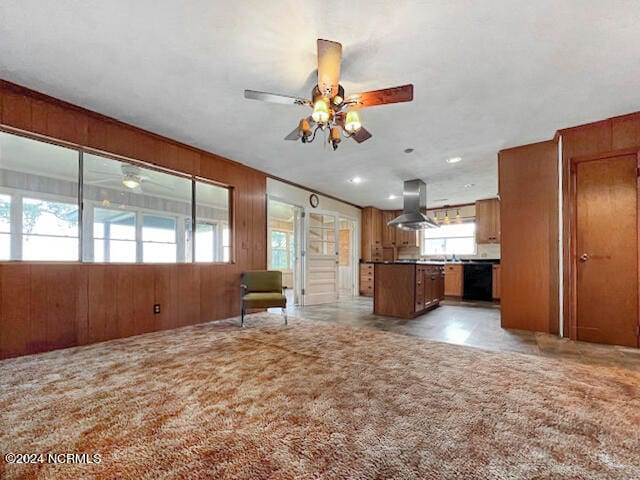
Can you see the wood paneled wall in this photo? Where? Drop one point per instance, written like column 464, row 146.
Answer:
column 44, row 306
column 528, row 184
column 610, row 135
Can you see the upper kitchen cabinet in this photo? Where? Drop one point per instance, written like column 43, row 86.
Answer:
column 389, row 234
column 488, row 221
column 371, row 234
column 396, row 237
column 407, row 238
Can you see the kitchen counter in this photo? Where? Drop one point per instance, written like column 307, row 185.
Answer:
column 435, row 262
column 409, row 262
column 407, row 289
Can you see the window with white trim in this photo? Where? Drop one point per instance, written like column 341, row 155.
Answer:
column 452, row 239
column 5, row 227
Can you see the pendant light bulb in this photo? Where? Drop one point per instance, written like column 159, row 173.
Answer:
column 352, row 123
column 458, row 217
column 447, row 220
column 320, row 111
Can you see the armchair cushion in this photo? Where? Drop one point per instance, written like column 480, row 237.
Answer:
column 262, row 281
column 264, row 300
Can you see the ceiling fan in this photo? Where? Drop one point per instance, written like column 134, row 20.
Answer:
column 331, row 109
column 131, row 178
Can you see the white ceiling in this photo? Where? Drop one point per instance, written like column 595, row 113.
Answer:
column 487, row 75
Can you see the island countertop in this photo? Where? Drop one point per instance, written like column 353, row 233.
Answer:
column 407, row 289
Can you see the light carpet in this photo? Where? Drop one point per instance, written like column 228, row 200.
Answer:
column 315, row 401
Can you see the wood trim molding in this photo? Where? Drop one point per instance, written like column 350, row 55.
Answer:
column 24, row 91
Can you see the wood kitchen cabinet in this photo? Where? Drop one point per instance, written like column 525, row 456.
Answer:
column 380, row 242
column 433, row 285
column 389, row 234
column 407, row 290
column 366, row 279
column 371, row 239
column 406, row 238
column 453, row 278
column 488, row 221
column 496, row 282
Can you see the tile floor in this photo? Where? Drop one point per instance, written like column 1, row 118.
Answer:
column 475, row 324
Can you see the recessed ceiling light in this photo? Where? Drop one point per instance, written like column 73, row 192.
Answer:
column 408, row 150
column 438, row 200
column 454, row 159
column 356, row 180
column 469, row 185
column 392, row 197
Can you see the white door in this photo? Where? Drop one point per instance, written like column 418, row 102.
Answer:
column 321, row 259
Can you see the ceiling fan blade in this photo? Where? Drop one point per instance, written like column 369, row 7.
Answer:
column 113, row 179
column 146, row 180
column 385, row 96
column 294, row 135
column 275, row 98
column 329, row 58
column 361, row 135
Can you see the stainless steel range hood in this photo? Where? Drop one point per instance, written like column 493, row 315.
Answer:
column 415, row 202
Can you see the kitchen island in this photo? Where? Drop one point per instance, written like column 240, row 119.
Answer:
column 407, row 289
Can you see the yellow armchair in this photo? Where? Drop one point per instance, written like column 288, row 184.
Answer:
column 262, row 289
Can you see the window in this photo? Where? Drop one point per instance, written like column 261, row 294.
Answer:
column 38, row 200
column 135, row 212
column 49, row 230
column 5, row 227
column 282, row 250
column 322, row 234
column 158, row 239
column 114, row 235
column 458, row 239
column 226, row 243
column 213, row 239
column 130, row 213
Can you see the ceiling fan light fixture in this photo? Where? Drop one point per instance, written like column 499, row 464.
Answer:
column 304, row 127
column 339, row 98
column 352, row 123
column 320, row 111
column 131, row 182
column 335, row 135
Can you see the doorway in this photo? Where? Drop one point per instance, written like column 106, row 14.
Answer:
column 285, row 240
column 346, row 257
column 605, row 248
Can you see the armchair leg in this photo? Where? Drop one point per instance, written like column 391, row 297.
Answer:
column 284, row 313
column 242, row 317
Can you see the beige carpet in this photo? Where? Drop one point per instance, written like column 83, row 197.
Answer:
column 315, row 401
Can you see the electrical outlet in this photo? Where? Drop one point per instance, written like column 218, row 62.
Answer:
column 156, row 308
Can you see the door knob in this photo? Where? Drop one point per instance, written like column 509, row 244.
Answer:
column 584, row 257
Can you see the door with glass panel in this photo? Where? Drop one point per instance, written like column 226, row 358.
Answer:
column 322, row 259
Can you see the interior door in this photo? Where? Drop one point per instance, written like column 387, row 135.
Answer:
column 322, row 259
column 606, row 216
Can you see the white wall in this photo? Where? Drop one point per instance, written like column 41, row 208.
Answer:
column 299, row 196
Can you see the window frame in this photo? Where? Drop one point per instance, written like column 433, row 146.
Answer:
column 290, row 242
column 424, row 241
column 85, row 222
